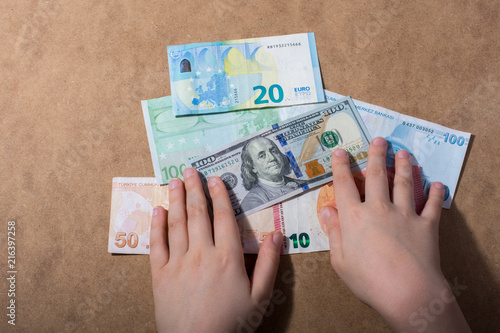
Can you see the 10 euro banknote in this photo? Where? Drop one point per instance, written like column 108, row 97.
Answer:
column 244, row 74
column 287, row 158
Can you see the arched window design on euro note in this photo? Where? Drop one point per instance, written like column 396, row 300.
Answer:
column 185, row 66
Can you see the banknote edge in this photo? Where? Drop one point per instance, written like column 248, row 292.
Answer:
column 152, row 143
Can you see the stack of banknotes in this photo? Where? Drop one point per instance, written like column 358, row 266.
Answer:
column 254, row 113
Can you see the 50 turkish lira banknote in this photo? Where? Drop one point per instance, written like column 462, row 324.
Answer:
column 132, row 203
column 244, row 74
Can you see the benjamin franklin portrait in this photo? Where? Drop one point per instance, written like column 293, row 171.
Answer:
column 264, row 169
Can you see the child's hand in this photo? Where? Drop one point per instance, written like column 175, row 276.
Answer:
column 384, row 252
column 199, row 279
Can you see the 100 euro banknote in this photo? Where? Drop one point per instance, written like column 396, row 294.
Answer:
column 174, row 141
column 287, row 158
column 132, row 203
column 244, row 74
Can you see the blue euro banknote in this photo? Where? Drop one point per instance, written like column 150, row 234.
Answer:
column 244, row 74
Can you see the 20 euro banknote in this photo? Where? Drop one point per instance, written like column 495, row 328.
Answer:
column 244, row 74
column 132, row 203
column 287, row 158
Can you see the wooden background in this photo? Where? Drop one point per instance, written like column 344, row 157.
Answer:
column 73, row 74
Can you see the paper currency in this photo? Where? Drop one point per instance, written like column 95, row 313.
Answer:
column 132, row 203
column 438, row 150
column 133, row 200
column 297, row 218
column 287, row 158
column 244, row 74
column 174, row 141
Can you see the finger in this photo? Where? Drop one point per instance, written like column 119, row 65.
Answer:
column 158, row 255
column 377, row 187
column 226, row 231
column 266, row 267
column 199, row 225
column 403, row 182
column 434, row 204
column 177, row 221
column 344, row 188
column 329, row 220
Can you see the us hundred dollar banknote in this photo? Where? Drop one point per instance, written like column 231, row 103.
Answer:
column 244, row 74
column 287, row 158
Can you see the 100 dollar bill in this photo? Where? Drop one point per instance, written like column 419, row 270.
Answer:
column 244, row 74
column 287, row 158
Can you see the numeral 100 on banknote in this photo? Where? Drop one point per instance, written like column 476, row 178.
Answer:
column 173, row 171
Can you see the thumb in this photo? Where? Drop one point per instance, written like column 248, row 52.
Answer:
column 266, row 267
column 329, row 221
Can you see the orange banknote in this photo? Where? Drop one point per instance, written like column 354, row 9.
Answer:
column 326, row 196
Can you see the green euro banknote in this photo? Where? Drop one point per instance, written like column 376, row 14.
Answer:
column 175, row 141
column 217, row 77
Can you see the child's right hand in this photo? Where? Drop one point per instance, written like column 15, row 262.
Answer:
column 385, row 253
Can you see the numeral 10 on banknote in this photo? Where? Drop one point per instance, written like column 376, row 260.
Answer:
column 303, row 240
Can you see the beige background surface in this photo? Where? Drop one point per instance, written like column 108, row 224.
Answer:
column 72, row 77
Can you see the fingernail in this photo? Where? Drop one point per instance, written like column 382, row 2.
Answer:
column 212, row 181
column 188, row 172
column 325, row 214
column 156, row 211
column 173, row 183
column 438, row 185
column 277, row 238
column 378, row 141
column 403, row 154
column 340, row 152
